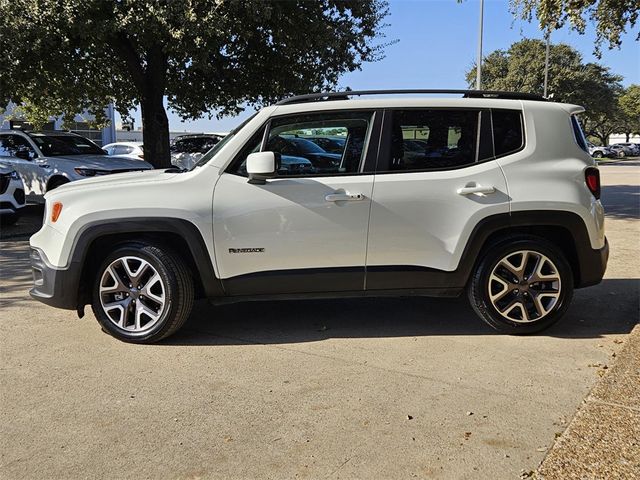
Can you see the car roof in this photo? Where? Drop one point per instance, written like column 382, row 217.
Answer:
column 51, row 133
column 39, row 133
column 407, row 101
column 128, row 144
column 197, row 135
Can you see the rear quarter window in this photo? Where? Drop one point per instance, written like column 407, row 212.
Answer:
column 578, row 133
column 508, row 136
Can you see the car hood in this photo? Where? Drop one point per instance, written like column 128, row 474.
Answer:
column 5, row 169
column 115, row 180
column 102, row 162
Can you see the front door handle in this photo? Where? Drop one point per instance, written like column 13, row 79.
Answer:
column 473, row 188
column 343, row 197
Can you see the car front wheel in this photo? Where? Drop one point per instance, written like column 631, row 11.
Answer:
column 142, row 293
column 522, row 285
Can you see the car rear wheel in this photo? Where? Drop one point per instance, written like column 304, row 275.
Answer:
column 522, row 285
column 597, row 154
column 142, row 293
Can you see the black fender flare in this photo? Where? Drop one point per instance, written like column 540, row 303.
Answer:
column 147, row 226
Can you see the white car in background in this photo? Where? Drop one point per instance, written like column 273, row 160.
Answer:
column 133, row 150
column 187, row 150
column 11, row 195
column 46, row 160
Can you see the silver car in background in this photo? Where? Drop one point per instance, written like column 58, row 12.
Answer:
column 597, row 151
column 11, row 195
column 133, row 150
column 46, row 160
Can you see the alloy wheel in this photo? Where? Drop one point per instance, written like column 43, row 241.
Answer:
column 132, row 294
column 524, row 286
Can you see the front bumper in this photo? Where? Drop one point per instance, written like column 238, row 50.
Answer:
column 55, row 287
column 593, row 264
column 12, row 199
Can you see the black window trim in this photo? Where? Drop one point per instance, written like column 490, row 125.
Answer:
column 367, row 163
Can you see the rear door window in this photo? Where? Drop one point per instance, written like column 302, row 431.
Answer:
column 437, row 139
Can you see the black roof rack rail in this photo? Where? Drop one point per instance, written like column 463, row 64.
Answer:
column 325, row 96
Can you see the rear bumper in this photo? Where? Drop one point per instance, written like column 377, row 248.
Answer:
column 593, row 264
column 55, row 287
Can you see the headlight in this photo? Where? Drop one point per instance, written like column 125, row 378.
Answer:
column 85, row 172
column 14, row 175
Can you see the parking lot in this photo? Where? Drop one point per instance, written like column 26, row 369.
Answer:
column 371, row 388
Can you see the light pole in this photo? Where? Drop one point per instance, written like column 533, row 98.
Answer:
column 479, row 59
column 546, row 63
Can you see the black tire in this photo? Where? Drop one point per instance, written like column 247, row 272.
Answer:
column 621, row 154
column 597, row 154
column 177, row 282
column 9, row 219
column 478, row 288
column 56, row 182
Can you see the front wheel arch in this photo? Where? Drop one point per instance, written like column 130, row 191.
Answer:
column 56, row 181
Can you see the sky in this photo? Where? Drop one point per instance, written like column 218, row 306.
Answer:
column 436, row 45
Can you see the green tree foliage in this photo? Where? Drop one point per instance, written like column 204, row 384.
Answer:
column 629, row 103
column 202, row 56
column 521, row 69
column 611, row 18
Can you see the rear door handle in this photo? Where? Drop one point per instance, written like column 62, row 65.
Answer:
column 343, row 197
column 470, row 189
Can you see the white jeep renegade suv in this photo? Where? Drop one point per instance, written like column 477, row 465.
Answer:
column 494, row 193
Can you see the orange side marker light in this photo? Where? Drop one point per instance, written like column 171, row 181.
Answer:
column 55, row 211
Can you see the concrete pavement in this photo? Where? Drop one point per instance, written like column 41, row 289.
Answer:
column 372, row 388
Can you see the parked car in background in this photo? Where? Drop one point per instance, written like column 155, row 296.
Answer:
column 626, row 149
column 46, row 160
column 12, row 197
column 597, row 151
column 186, row 150
column 329, row 144
column 292, row 145
column 133, row 150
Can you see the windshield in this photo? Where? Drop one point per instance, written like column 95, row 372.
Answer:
column 212, row 153
column 56, row 145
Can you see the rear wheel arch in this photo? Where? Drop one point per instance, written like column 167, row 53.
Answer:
column 559, row 236
column 566, row 230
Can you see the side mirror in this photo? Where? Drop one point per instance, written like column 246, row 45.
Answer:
column 262, row 165
column 24, row 154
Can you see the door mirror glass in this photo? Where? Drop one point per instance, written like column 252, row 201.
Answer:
column 262, row 165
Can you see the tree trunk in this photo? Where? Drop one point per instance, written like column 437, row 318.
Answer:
column 604, row 139
column 628, row 135
column 155, row 131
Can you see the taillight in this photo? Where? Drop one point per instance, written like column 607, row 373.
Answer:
column 592, row 179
